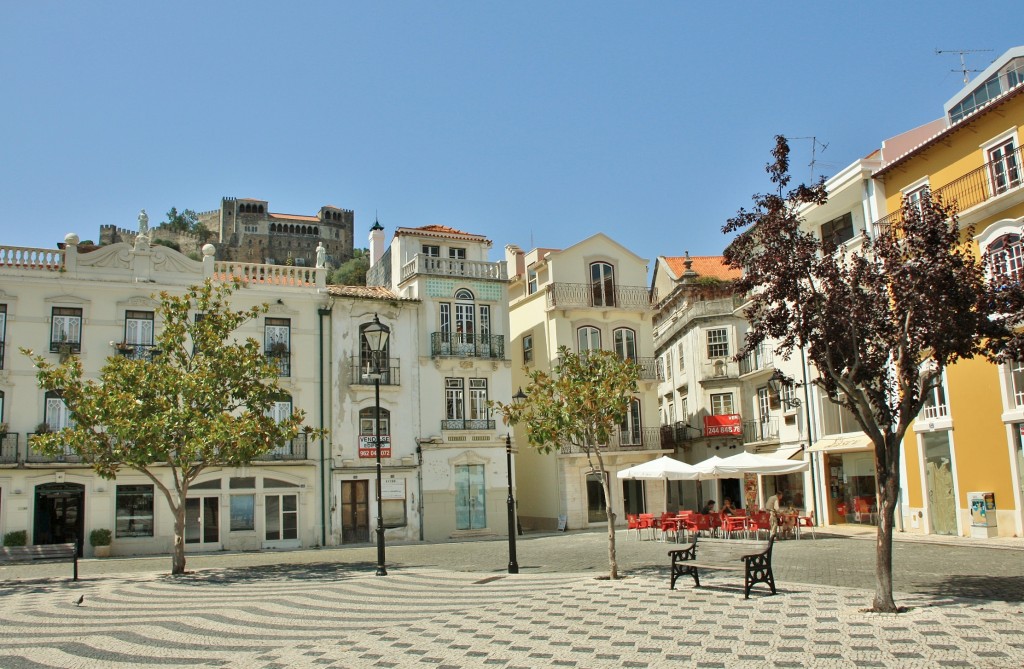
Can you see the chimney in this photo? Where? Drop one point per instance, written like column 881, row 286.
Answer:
column 376, row 242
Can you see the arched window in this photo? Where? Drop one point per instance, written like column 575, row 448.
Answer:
column 602, row 285
column 368, row 426
column 625, row 343
column 1006, row 259
column 589, row 338
column 261, row 209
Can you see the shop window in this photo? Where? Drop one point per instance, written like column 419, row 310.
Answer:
column 134, row 504
column 281, row 517
column 243, row 517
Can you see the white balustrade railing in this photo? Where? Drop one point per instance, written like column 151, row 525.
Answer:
column 30, row 258
column 257, row 273
column 472, row 269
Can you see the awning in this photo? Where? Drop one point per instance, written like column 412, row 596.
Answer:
column 784, row 453
column 842, row 443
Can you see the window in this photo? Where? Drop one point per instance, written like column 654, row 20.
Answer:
column 764, row 404
column 367, row 425
column 243, row 513
column 602, row 285
column 281, row 410
column 680, row 358
column 721, row 404
column 66, row 329
column 718, row 343
column 56, row 413
column 527, row 349
column 3, row 332
column 531, row 281
column 456, row 253
column 589, row 338
column 478, row 399
column 838, row 230
column 454, row 400
column 935, row 403
column 1004, row 165
column 282, row 517
column 431, row 251
column 277, row 344
column 625, row 343
column 1017, row 381
column 1005, row 258
column 134, row 511
column 684, row 408
column 1, row 406
column 836, row 419
column 668, row 361
column 138, row 328
column 630, row 426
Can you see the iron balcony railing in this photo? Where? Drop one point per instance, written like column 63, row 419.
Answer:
column 65, row 346
column 760, row 358
column 470, row 269
column 975, row 187
column 585, row 295
column 282, row 360
column 467, row 424
column 361, row 369
column 445, row 344
column 36, row 456
column 9, row 449
column 760, row 430
column 678, row 433
column 137, row 351
column 640, row 439
column 294, row 449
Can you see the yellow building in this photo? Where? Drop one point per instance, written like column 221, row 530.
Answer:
column 968, row 438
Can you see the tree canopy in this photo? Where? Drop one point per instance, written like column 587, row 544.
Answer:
column 202, row 399
column 878, row 319
column 582, row 402
column 352, row 272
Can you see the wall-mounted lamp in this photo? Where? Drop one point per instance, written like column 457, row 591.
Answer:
column 777, row 384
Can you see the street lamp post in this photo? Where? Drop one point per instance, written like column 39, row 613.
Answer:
column 513, row 526
column 377, row 338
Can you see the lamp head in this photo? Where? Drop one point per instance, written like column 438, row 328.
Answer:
column 519, row 397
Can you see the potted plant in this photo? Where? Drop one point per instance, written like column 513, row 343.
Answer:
column 16, row 538
column 43, row 428
column 100, row 540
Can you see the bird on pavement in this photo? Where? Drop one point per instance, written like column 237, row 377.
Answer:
column 80, row 600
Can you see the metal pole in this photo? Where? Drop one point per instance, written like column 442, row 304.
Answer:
column 381, row 571
column 513, row 565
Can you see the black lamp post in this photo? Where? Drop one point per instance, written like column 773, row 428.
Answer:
column 513, row 526
column 377, row 339
column 777, row 383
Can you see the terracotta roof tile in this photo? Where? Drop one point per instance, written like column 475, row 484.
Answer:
column 439, row 230
column 366, row 293
column 704, row 266
column 295, row 217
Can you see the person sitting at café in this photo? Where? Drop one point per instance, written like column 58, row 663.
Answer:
column 727, row 507
column 709, row 507
column 774, row 508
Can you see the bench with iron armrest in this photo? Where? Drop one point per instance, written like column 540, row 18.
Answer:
column 41, row 553
column 726, row 554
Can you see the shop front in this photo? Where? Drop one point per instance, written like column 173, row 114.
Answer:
column 849, row 474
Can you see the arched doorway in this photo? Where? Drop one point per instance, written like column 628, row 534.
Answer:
column 60, row 514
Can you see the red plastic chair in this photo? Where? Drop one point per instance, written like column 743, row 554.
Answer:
column 633, row 523
column 667, row 524
column 698, row 523
column 805, row 521
column 646, row 523
column 731, row 524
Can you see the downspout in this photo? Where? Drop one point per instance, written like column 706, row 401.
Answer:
column 810, row 439
column 324, row 497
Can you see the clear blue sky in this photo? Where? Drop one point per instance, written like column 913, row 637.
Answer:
column 534, row 123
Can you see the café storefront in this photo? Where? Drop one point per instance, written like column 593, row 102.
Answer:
column 848, row 466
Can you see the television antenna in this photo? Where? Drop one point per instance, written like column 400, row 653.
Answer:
column 963, row 63
column 814, row 151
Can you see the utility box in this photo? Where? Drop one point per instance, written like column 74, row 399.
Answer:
column 983, row 514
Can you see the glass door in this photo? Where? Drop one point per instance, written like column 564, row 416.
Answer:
column 938, row 474
column 470, row 499
column 202, row 521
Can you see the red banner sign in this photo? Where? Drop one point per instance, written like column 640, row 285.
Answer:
column 367, row 446
column 725, row 425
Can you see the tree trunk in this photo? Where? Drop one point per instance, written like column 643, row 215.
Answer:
column 887, row 480
column 178, row 550
column 613, row 564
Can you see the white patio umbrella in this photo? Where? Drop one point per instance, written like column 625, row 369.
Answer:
column 753, row 463
column 708, row 469
column 664, row 468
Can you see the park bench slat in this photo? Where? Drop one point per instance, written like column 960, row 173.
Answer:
column 41, row 553
column 755, row 556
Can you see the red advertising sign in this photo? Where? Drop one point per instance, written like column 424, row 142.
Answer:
column 725, row 425
column 367, row 446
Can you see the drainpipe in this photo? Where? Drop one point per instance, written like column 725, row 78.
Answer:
column 810, row 440
column 419, row 484
column 324, row 497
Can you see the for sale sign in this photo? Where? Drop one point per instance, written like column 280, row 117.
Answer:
column 724, row 425
column 368, row 443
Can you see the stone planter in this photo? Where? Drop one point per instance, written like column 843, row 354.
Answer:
column 101, row 551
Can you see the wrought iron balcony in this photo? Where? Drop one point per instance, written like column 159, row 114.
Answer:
column 467, row 424
column 470, row 269
column 361, row 368
column 281, row 359
column 760, row 430
column 971, row 189
column 678, row 433
column 137, row 351
column 35, row 456
column 294, row 449
column 447, row 344
column 640, row 439
column 9, row 449
column 585, row 295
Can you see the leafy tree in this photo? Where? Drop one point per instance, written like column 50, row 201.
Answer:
column 202, row 402
column 187, row 221
column 352, row 272
column 168, row 243
column 878, row 324
column 582, row 402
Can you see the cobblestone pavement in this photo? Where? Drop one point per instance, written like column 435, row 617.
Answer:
column 453, row 605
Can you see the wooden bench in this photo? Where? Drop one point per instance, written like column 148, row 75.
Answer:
column 726, row 554
column 40, row 553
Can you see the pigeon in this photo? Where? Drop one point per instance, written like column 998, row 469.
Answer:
column 80, row 600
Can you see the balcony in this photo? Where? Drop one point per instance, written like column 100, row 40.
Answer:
column 467, row 269
column 294, row 449
column 668, row 327
column 971, row 189
column 587, row 296
column 932, row 411
column 757, row 430
column 281, row 359
column 677, row 434
column 9, row 449
column 137, row 351
column 760, row 359
column 641, row 439
column 361, row 368
column 650, row 369
column 467, row 424
column 452, row 344
column 35, row 456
